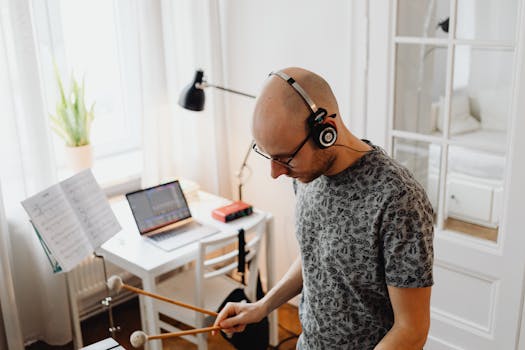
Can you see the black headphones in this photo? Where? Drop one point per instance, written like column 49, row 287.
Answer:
column 321, row 130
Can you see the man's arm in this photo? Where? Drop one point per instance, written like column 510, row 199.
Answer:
column 235, row 316
column 411, row 319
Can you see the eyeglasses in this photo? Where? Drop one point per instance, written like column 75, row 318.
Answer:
column 280, row 161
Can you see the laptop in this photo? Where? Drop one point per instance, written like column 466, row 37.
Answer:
column 164, row 218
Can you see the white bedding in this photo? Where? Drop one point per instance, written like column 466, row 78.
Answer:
column 469, row 161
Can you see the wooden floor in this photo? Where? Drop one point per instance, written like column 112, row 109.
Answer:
column 127, row 316
column 474, row 230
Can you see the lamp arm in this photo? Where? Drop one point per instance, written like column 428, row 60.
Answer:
column 205, row 84
column 243, row 165
column 200, row 83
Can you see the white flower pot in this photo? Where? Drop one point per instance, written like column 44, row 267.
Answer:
column 79, row 158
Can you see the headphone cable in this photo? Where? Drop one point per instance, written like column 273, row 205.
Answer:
column 353, row 149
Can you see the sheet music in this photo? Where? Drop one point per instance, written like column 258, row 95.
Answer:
column 91, row 207
column 53, row 216
column 73, row 218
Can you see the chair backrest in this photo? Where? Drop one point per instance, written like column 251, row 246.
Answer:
column 225, row 260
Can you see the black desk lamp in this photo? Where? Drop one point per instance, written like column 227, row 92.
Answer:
column 192, row 98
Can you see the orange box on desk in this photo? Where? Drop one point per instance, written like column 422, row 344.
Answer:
column 232, row 211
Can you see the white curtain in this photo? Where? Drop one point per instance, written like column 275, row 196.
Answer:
column 177, row 37
column 10, row 333
column 27, row 167
column 157, row 122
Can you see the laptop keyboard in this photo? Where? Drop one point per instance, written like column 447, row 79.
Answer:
column 184, row 235
column 170, row 234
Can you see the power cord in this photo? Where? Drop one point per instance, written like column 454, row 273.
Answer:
column 293, row 336
column 285, row 340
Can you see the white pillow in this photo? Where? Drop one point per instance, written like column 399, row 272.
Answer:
column 494, row 108
column 460, row 119
column 459, row 108
column 463, row 125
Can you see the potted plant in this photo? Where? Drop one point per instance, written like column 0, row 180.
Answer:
column 72, row 122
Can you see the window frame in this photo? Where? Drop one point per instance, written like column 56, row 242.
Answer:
column 46, row 16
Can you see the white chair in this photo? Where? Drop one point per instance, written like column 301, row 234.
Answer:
column 206, row 284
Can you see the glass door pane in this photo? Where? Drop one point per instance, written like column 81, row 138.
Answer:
column 423, row 160
column 474, row 191
column 481, row 96
column 423, row 18
column 419, row 87
column 486, row 19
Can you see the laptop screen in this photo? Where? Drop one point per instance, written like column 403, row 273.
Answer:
column 158, row 206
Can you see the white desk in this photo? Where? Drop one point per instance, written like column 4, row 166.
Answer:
column 128, row 250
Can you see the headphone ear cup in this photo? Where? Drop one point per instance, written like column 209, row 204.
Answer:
column 324, row 135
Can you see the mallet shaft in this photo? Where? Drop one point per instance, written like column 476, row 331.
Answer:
column 178, row 303
column 181, row 333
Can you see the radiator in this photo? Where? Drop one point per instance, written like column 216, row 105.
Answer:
column 87, row 287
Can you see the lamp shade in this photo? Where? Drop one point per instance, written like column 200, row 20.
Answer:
column 192, row 97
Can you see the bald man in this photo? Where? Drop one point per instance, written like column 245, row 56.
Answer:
column 364, row 226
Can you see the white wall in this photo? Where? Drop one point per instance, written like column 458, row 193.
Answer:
column 259, row 37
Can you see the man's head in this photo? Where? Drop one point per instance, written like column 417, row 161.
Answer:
column 280, row 126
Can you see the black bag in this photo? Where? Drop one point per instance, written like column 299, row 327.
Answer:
column 256, row 335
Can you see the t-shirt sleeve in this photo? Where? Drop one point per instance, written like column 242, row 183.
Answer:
column 408, row 233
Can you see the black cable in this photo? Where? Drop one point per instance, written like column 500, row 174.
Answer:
column 293, row 336
column 353, row 149
column 285, row 340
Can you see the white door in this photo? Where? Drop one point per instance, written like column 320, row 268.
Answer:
column 446, row 92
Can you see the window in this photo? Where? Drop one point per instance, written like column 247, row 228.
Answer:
column 97, row 40
column 451, row 94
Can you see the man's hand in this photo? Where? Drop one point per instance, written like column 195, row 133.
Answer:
column 235, row 316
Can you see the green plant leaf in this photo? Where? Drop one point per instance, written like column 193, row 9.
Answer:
column 72, row 121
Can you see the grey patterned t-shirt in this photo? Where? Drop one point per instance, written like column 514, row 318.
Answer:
column 363, row 229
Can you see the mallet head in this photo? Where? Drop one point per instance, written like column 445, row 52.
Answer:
column 138, row 339
column 115, row 283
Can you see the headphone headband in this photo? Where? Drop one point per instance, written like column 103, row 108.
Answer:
column 295, row 85
column 323, row 134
